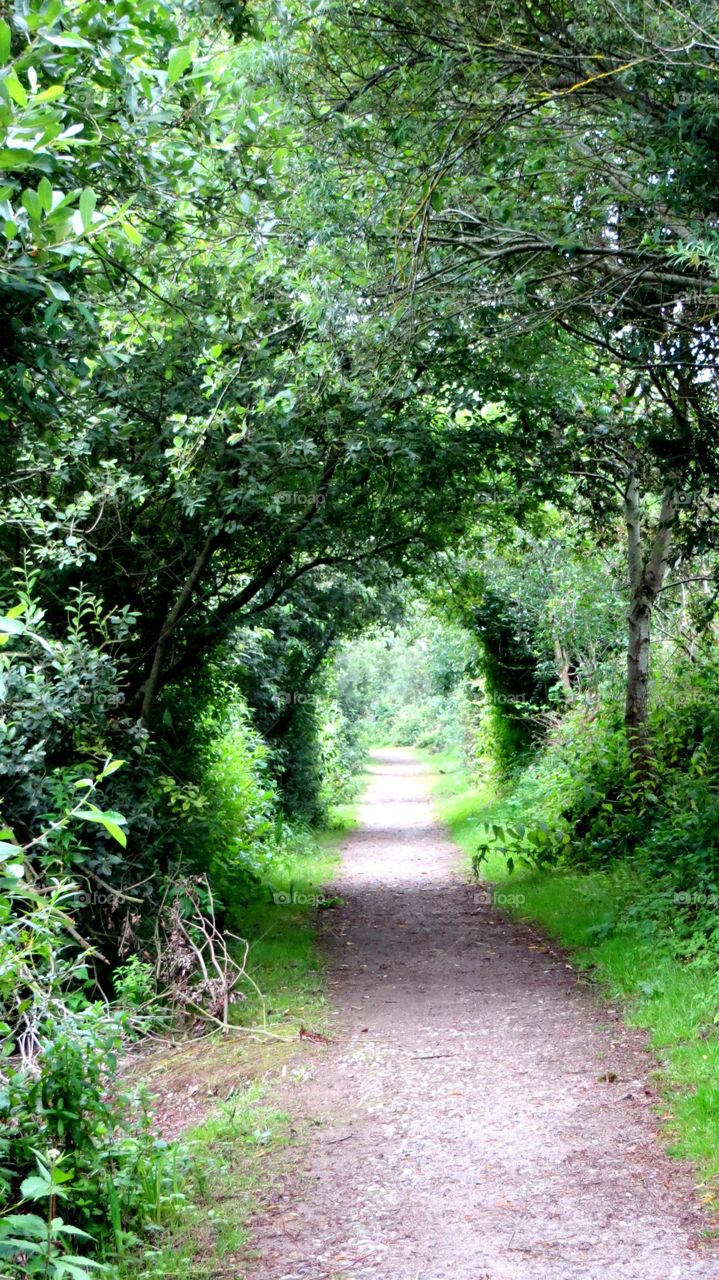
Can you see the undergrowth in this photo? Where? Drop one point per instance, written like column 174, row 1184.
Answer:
column 225, row 1163
column 279, row 924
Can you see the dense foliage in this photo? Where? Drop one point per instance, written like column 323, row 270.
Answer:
column 358, row 384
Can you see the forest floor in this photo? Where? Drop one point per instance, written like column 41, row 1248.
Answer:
column 477, row 1114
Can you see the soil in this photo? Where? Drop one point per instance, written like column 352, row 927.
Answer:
column 479, row 1114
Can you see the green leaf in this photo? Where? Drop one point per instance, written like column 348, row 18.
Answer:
column 56, row 291
column 21, row 1245
column 109, row 819
column 76, row 1268
column 133, row 235
column 49, row 95
column 12, row 626
column 63, row 40
column 44, row 191
column 13, row 159
column 88, row 200
column 30, row 200
column 5, row 40
column 15, row 89
column 29, row 1223
column 35, row 1188
column 116, row 832
column 179, row 61
column 112, row 767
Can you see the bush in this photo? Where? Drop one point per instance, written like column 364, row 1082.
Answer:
column 242, row 830
column 60, row 1106
column 587, row 812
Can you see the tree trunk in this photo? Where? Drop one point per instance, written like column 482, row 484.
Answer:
column 645, row 580
column 636, row 713
column 562, row 663
column 154, row 678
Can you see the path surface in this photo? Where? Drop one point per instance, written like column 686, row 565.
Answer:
column 480, row 1117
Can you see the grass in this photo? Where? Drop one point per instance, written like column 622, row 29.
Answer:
column 222, row 1165
column 287, row 986
column 598, row 916
column 214, row 1174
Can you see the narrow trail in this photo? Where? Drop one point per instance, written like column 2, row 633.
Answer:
column 479, row 1116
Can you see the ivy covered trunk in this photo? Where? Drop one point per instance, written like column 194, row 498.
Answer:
column 646, row 579
column 636, row 712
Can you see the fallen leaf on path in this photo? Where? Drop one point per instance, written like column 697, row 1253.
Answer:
column 314, row 1036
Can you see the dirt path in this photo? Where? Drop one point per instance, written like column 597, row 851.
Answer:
column 480, row 1116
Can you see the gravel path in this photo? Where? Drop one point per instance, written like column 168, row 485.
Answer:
column 479, row 1116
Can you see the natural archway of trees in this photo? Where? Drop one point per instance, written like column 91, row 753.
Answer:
column 359, row 383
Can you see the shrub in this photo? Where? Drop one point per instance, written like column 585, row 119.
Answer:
column 586, row 810
column 242, row 830
column 60, row 1105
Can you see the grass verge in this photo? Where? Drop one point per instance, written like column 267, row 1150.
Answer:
column 217, row 1172
column 601, row 918
column 287, row 987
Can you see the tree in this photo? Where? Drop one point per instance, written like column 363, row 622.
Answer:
column 546, row 169
column 207, row 430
